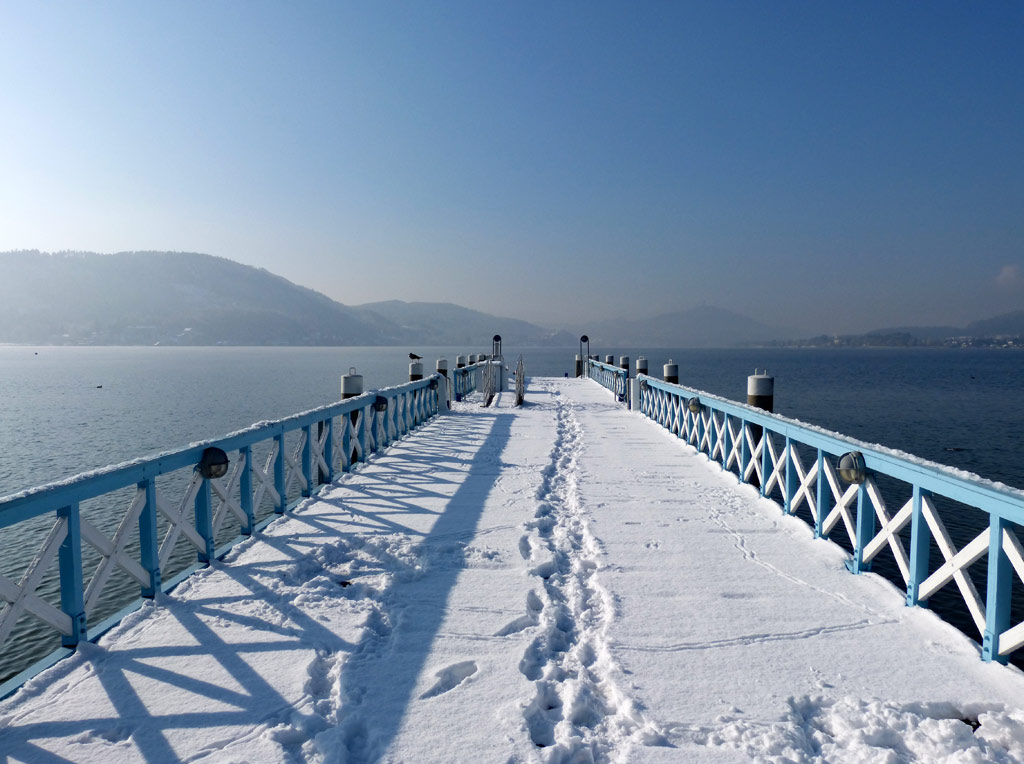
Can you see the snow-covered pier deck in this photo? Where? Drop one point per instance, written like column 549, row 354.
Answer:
column 561, row 582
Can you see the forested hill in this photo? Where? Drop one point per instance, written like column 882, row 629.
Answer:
column 186, row 298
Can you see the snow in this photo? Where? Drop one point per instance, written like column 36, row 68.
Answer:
column 562, row 583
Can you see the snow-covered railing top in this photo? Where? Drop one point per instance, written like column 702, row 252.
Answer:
column 275, row 465
column 765, row 449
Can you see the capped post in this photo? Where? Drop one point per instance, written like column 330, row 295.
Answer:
column 761, row 390
column 641, row 365
column 351, row 384
column 415, row 371
column 671, row 372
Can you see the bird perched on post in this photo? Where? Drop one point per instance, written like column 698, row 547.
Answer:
column 414, row 357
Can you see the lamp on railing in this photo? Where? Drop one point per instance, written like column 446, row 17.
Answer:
column 694, row 405
column 213, row 464
column 852, row 468
column 380, row 404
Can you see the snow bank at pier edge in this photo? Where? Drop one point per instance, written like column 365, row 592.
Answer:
column 873, row 731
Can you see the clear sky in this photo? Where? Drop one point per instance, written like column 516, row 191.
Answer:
column 831, row 166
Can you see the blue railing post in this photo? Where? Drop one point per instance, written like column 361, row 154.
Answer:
column 245, row 490
column 69, row 559
column 744, row 451
column 790, row 492
column 346, row 441
column 279, row 484
column 149, row 542
column 362, row 434
column 819, row 498
column 307, row 460
column 865, row 530
column 329, row 448
column 726, row 442
column 204, row 521
column 1000, row 583
column 920, row 543
column 766, row 459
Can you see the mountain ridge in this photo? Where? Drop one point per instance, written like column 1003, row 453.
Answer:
column 151, row 297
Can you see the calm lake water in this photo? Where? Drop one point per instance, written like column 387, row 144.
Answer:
column 64, row 410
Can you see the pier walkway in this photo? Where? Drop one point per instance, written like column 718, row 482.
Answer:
column 562, row 582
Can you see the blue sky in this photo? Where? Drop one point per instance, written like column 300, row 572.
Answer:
column 826, row 166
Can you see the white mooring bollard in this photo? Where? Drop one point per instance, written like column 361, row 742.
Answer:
column 671, row 371
column 641, row 365
column 351, row 384
column 415, row 371
column 761, row 390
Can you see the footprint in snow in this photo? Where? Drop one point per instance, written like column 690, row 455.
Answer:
column 449, row 678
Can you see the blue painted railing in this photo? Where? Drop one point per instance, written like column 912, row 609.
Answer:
column 765, row 449
column 466, row 380
column 610, row 377
column 324, row 441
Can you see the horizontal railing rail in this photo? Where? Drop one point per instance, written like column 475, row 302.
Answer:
column 141, row 541
column 609, row 377
column 765, row 449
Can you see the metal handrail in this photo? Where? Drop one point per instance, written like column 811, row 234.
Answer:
column 762, row 448
column 330, row 438
column 609, row 377
column 466, row 380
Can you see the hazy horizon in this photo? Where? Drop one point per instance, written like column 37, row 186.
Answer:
column 833, row 168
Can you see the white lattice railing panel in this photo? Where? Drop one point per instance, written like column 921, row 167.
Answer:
column 716, row 443
column 181, row 521
column 754, row 465
column 776, row 463
column 293, row 466
column 806, row 482
column 320, row 450
column 112, row 551
column 264, row 485
column 22, row 598
column 955, row 565
column 890, row 530
column 225, row 490
column 841, row 501
column 735, row 455
column 1013, row 637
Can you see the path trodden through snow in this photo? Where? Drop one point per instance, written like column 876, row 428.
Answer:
column 561, row 583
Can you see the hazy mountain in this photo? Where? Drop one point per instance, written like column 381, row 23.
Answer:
column 1004, row 325
column 1011, row 324
column 926, row 333
column 195, row 299
column 176, row 297
column 443, row 323
column 704, row 326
